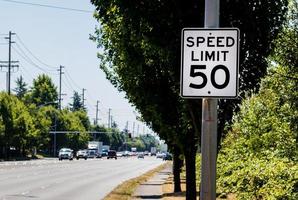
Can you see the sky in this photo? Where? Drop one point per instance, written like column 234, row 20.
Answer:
column 47, row 37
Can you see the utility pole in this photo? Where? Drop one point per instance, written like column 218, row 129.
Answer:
column 96, row 116
column 126, row 127
column 60, row 85
column 83, row 97
column 209, row 121
column 9, row 62
column 133, row 129
column 109, row 120
column 9, row 59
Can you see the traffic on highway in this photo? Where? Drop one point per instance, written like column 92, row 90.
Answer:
column 53, row 178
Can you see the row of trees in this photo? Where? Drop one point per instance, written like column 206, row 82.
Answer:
column 259, row 157
column 141, row 56
column 28, row 117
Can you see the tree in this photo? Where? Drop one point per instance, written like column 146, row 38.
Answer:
column 21, row 88
column 259, row 156
column 44, row 118
column 141, row 56
column 83, row 117
column 77, row 137
column 77, row 102
column 43, row 91
column 17, row 125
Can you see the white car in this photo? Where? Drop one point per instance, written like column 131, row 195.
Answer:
column 65, row 153
column 160, row 155
column 82, row 154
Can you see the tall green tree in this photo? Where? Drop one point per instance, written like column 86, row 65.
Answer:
column 77, row 103
column 76, row 135
column 17, row 125
column 141, row 56
column 43, row 91
column 259, row 155
column 21, row 87
column 44, row 121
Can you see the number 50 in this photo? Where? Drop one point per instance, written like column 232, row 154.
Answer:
column 194, row 73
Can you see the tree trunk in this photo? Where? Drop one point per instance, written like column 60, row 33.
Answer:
column 177, row 164
column 190, row 163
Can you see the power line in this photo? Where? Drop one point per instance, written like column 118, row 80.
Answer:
column 28, row 60
column 67, row 85
column 48, row 6
column 24, row 70
column 67, row 74
column 67, row 78
column 22, row 43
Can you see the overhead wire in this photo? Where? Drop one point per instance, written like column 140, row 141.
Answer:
column 23, row 69
column 69, row 82
column 28, row 60
column 70, row 78
column 67, row 85
column 48, row 6
column 30, row 52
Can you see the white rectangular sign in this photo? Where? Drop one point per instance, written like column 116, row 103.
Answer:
column 209, row 62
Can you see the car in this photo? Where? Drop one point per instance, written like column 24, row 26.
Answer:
column 125, row 153
column 167, row 156
column 65, row 153
column 119, row 154
column 160, row 155
column 104, row 153
column 141, row 155
column 92, row 154
column 112, row 154
column 82, row 154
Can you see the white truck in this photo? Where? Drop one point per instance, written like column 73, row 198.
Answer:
column 94, row 149
column 153, row 151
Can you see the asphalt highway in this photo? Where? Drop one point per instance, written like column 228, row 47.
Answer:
column 50, row 179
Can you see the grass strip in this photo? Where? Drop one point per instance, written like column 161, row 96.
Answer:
column 125, row 190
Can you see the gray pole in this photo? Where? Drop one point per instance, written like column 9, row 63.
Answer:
column 9, row 61
column 109, row 120
column 96, row 117
column 60, row 86
column 209, row 121
column 55, row 139
column 83, row 98
column 133, row 129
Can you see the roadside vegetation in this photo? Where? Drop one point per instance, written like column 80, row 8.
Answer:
column 258, row 158
column 140, row 52
column 29, row 116
column 125, row 190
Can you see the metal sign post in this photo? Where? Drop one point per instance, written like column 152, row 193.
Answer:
column 209, row 70
column 209, row 122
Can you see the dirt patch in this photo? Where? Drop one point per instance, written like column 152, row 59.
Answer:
column 168, row 188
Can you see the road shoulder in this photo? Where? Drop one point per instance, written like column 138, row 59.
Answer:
column 152, row 188
column 126, row 190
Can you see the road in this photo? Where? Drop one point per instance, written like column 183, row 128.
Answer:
column 68, row 180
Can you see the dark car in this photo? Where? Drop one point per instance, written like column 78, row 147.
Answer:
column 112, row 154
column 104, row 153
column 141, row 155
column 167, row 156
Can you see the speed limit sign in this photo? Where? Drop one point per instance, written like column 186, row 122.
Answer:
column 209, row 63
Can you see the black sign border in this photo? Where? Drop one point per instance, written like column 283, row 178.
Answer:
column 237, row 63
